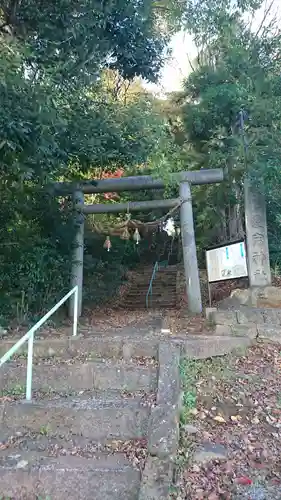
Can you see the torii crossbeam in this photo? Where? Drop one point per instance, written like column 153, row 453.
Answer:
column 138, row 183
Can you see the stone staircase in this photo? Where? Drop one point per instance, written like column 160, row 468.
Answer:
column 104, row 420
column 87, row 432
column 164, row 289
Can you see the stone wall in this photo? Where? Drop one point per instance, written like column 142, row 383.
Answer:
column 263, row 323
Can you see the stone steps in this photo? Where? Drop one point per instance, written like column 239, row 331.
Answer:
column 164, row 290
column 167, row 271
column 119, row 344
column 95, row 391
column 159, row 302
column 103, row 477
column 89, row 393
column 141, row 304
column 160, row 298
column 98, row 418
column 169, row 281
column 156, row 285
column 78, row 438
column 160, row 277
column 157, row 289
column 92, row 375
column 156, row 300
column 147, row 271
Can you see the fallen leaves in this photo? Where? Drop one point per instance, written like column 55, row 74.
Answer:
column 135, row 450
column 22, row 464
column 255, row 420
column 243, row 480
column 242, row 413
column 213, row 496
column 235, row 418
column 220, row 419
column 194, row 411
column 270, row 420
column 6, row 399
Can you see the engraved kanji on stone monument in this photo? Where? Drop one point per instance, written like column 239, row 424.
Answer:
column 257, row 221
column 258, row 239
column 259, row 259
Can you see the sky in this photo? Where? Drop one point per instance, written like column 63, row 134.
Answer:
column 177, row 67
column 183, row 50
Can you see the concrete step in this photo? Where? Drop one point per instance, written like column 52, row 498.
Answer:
column 158, row 278
column 67, row 376
column 164, row 297
column 162, row 271
column 156, row 290
column 104, row 477
column 160, row 290
column 123, row 343
column 159, row 294
column 142, row 305
column 155, row 293
column 147, row 277
column 100, row 417
column 161, row 301
column 156, row 297
column 156, row 286
column 159, row 274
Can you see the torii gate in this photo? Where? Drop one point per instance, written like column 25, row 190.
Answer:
column 184, row 179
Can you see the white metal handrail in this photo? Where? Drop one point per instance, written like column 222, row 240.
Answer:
column 29, row 336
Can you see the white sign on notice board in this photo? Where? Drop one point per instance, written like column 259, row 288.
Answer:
column 227, row 262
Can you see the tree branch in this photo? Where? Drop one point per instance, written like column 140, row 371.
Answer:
column 266, row 12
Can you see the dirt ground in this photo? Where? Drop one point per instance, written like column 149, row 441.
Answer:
column 231, row 427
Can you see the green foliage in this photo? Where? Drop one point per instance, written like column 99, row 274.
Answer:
column 188, row 373
column 74, row 39
column 36, row 239
column 206, row 20
column 105, row 271
column 236, row 72
column 59, row 121
column 16, row 390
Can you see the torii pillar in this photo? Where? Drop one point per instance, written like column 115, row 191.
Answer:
column 191, row 270
column 78, row 251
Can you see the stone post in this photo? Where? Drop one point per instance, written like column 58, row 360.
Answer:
column 78, row 252
column 256, row 233
column 189, row 251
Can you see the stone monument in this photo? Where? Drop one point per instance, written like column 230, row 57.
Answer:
column 257, row 240
column 261, row 293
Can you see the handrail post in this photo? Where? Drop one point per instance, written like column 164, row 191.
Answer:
column 29, row 337
column 29, row 368
column 75, row 311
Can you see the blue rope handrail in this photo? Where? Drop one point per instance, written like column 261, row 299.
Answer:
column 149, row 291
